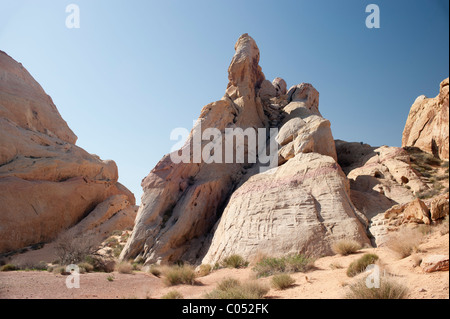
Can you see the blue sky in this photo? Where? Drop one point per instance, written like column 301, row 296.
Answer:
column 135, row 70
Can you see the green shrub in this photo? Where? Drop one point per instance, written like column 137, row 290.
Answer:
column 110, row 278
column 234, row 261
column 389, row 289
column 293, row 263
column 361, row 264
column 282, row 281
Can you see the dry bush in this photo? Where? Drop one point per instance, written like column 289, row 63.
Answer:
column 204, row 270
column 178, row 275
column 360, row 265
column 232, row 289
column 155, row 270
column 124, row 267
column 443, row 227
column 282, row 281
column 74, row 249
column 173, row 294
column 405, row 241
column 389, row 289
column 346, row 247
column 234, row 261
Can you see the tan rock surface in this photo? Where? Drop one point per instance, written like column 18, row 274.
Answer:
column 302, row 206
column 427, row 126
column 434, row 263
column 48, row 184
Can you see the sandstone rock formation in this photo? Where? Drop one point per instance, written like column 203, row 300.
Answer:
column 380, row 178
column 47, row 183
column 194, row 209
column 427, row 126
column 302, row 206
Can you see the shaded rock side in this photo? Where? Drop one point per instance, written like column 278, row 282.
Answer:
column 48, row 184
column 427, row 125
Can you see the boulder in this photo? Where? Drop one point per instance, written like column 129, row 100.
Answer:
column 280, row 86
column 427, row 125
column 415, row 211
column 434, row 263
column 439, row 207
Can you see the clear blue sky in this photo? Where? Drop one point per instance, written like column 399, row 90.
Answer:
column 135, row 70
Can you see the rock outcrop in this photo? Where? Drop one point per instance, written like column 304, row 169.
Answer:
column 204, row 208
column 427, row 126
column 380, row 178
column 48, row 184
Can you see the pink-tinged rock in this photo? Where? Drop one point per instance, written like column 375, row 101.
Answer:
column 434, row 263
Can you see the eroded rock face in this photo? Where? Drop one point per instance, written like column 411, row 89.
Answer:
column 427, row 125
column 301, row 206
column 380, row 178
column 47, row 183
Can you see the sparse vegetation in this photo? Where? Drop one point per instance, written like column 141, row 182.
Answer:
column 444, row 226
column 155, row 271
column 85, row 267
column 389, row 289
column 72, row 250
column 293, row 263
column 125, row 267
column 8, row 267
column 232, row 289
column 346, row 247
column 282, row 281
column 204, row 270
column 234, row 261
column 110, row 278
column 173, row 294
column 177, row 275
column 360, row 265
column 405, row 241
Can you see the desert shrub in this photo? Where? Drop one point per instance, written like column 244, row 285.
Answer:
column 173, row 294
column 124, row 267
column 110, row 278
column 424, row 229
column 8, row 267
column 234, row 261
column 204, row 270
column 282, row 281
column 86, row 267
column 72, row 250
column 32, row 266
column 232, row 289
column 177, row 275
column 345, row 247
column 389, row 289
column 360, row 265
column 444, row 226
column 293, row 263
column 155, row 271
column 405, row 241
column 101, row 264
